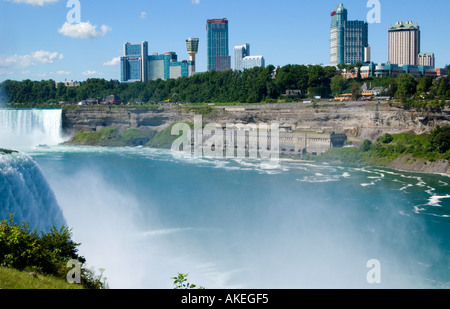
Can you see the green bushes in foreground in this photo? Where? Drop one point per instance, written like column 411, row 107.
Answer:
column 47, row 254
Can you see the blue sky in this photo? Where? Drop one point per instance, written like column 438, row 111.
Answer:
column 39, row 43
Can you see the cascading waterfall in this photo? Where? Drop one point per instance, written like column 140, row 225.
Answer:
column 25, row 193
column 24, row 128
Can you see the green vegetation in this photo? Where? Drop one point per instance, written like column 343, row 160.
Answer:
column 180, row 282
column 256, row 85
column 46, row 254
column 111, row 137
column 251, row 86
column 14, row 279
column 429, row 147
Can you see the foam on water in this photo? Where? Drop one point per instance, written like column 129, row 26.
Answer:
column 225, row 224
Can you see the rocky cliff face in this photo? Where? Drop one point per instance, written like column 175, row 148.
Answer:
column 92, row 119
column 360, row 119
column 411, row 164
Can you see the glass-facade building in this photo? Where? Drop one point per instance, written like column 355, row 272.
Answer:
column 337, row 34
column 134, row 62
column 355, row 41
column 349, row 38
column 137, row 65
column 218, row 57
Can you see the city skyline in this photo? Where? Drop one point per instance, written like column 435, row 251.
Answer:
column 42, row 44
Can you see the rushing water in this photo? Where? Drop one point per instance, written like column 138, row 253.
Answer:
column 22, row 128
column 144, row 215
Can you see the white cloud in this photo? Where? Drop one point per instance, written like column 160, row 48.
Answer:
column 83, row 30
column 91, row 73
column 195, row 1
column 34, row 2
column 112, row 62
column 143, row 15
column 61, row 72
column 35, row 58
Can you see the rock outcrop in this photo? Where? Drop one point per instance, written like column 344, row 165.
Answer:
column 363, row 120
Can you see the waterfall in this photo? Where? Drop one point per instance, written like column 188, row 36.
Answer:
column 25, row 193
column 21, row 128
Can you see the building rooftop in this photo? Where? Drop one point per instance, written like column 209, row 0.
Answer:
column 340, row 8
column 400, row 25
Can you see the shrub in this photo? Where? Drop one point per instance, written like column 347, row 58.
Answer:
column 48, row 253
column 386, row 139
column 439, row 139
column 366, row 146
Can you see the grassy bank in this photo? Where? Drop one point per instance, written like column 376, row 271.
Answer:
column 14, row 279
column 46, row 255
column 113, row 137
column 408, row 148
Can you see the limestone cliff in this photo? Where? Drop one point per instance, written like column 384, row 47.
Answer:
column 363, row 120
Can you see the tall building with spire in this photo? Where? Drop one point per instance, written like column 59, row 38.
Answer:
column 349, row 39
column 218, row 55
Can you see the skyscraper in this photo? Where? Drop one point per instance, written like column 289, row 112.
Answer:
column 355, row 41
column 337, row 34
column 217, row 45
column 239, row 53
column 133, row 64
column 404, row 43
column 349, row 39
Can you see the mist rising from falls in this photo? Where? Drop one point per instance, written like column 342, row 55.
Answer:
column 25, row 193
column 21, row 129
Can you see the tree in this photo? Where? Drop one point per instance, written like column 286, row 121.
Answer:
column 406, row 86
column 342, row 67
column 337, row 84
column 358, row 66
column 356, row 91
column 439, row 139
column 366, row 146
column 423, row 85
column 386, row 139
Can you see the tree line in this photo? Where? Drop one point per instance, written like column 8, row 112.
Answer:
column 250, row 86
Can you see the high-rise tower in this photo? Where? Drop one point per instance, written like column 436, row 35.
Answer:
column 337, row 34
column 192, row 49
column 134, row 66
column 348, row 38
column 217, row 45
column 404, row 43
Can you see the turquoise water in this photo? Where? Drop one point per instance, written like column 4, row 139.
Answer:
column 145, row 215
